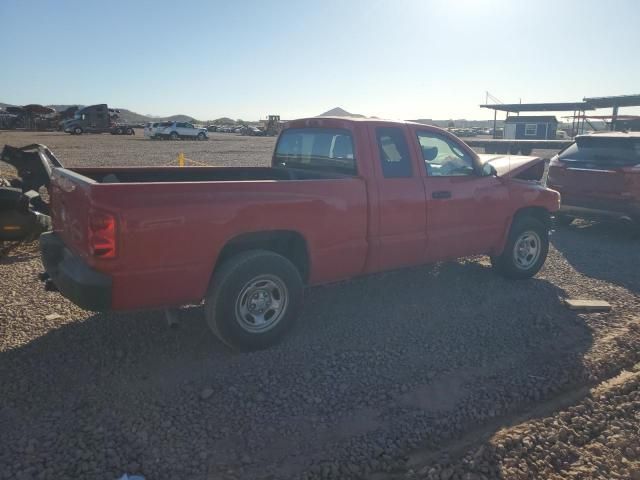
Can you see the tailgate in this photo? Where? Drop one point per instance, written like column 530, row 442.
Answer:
column 70, row 204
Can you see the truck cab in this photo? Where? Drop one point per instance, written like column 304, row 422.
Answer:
column 92, row 119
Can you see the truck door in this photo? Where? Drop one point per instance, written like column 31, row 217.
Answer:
column 466, row 212
column 401, row 200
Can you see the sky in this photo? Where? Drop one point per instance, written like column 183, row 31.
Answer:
column 402, row 59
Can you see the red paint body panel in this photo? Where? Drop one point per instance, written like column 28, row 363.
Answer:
column 169, row 234
column 599, row 174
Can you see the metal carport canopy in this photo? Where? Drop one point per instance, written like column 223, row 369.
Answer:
column 618, row 101
column 540, row 107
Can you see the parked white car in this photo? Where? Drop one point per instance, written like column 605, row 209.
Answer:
column 152, row 129
column 182, row 130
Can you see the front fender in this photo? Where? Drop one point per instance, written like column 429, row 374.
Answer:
column 529, row 198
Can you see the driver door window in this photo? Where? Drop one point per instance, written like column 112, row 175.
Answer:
column 443, row 157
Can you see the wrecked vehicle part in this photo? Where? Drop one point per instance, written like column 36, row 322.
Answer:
column 33, row 163
column 24, row 215
column 17, row 225
column 520, row 167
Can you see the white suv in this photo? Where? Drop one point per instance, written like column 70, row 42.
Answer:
column 178, row 130
column 151, row 130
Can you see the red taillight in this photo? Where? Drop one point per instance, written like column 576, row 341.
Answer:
column 102, row 235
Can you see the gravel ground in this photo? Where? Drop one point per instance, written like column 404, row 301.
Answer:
column 381, row 378
column 106, row 150
column 598, row 436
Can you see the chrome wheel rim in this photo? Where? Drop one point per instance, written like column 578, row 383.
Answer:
column 526, row 250
column 261, row 303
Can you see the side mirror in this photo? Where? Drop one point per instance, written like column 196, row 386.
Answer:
column 489, row 170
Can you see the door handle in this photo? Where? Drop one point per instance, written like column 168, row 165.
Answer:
column 441, row 194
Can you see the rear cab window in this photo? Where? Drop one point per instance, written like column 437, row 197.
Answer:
column 393, row 150
column 319, row 149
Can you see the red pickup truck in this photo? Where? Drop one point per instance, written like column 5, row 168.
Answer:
column 342, row 198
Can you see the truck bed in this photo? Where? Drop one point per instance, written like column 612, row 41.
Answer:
column 173, row 222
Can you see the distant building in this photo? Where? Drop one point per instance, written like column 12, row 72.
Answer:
column 531, row 127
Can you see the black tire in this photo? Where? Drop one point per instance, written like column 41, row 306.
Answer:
column 513, row 149
column 129, row 131
column 507, row 264
column 201, row 136
column 230, row 294
column 490, row 149
column 77, row 131
column 526, row 150
column 174, row 136
column 118, row 131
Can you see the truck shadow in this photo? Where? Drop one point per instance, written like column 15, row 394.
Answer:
column 450, row 346
column 603, row 250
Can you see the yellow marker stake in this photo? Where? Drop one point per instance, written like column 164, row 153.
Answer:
column 181, row 159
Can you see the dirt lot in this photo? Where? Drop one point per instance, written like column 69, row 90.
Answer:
column 440, row 372
column 104, row 150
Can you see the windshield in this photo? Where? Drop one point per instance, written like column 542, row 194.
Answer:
column 323, row 149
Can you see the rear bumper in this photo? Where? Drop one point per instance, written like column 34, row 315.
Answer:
column 73, row 278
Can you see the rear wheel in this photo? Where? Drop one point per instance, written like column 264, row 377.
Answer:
column 174, row 136
column 526, row 150
column 526, row 249
column 201, row 136
column 254, row 299
column 129, row 131
column 118, row 131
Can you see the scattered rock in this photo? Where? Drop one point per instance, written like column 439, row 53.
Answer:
column 206, row 393
column 588, row 305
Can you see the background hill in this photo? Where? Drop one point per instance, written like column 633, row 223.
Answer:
column 340, row 112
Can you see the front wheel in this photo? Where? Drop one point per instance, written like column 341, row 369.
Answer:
column 77, row 131
column 201, row 136
column 526, row 249
column 254, row 299
column 130, row 131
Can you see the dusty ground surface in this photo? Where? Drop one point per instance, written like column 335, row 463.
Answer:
column 105, row 149
column 446, row 371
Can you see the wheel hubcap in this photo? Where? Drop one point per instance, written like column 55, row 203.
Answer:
column 261, row 303
column 526, row 250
